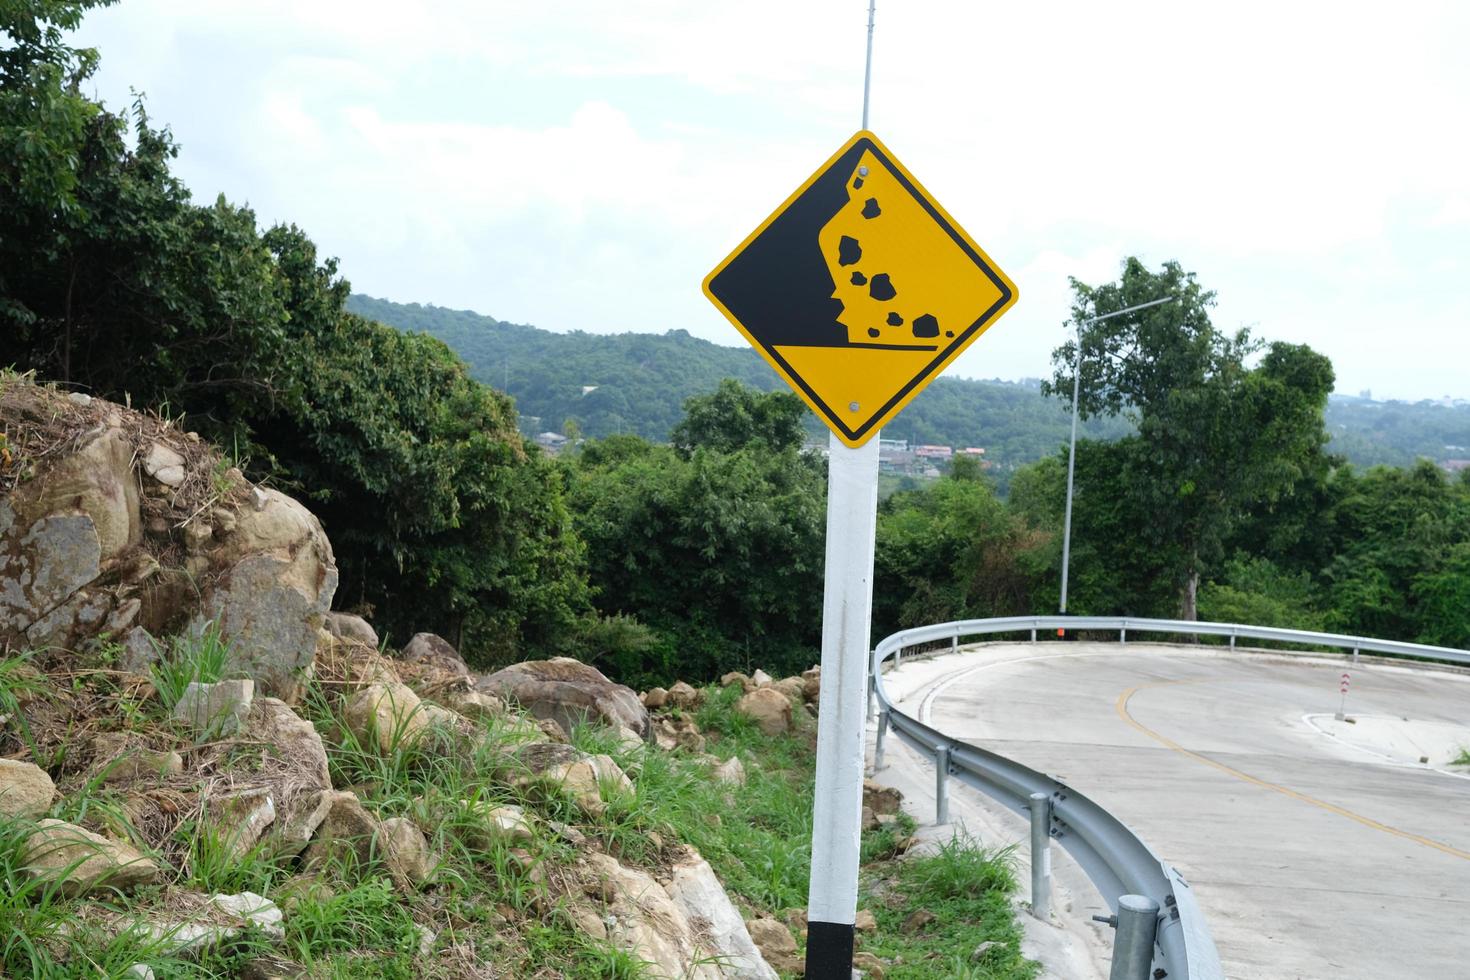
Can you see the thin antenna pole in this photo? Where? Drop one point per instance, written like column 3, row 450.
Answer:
column 868, row 71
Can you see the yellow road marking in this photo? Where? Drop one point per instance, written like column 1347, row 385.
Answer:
column 1122, row 708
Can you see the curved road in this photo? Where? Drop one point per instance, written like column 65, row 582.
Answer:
column 1310, row 858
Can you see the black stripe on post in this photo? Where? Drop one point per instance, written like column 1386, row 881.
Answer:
column 829, row 951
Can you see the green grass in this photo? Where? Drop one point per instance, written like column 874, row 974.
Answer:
column 1463, row 759
column 967, row 887
column 491, row 900
column 198, row 658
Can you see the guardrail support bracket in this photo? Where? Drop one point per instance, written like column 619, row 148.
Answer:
column 878, row 744
column 941, row 784
column 1041, row 856
column 1133, row 943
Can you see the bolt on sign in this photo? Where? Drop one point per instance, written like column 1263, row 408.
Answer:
column 860, row 289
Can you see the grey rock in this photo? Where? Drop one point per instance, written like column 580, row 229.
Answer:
column 42, row 566
column 437, row 652
column 164, row 465
column 217, row 709
column 345, row 626
column 569, row 692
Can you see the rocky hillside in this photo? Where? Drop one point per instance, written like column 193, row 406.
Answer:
column 204, row 772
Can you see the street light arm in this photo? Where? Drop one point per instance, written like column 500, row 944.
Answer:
column 1108, row 316
column 1072, row 450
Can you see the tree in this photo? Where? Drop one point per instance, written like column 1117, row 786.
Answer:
column 113, row 280
column 719, row 551
column 951, row 551
column 736, row 416
column 1402, row 556
column 1215, row 438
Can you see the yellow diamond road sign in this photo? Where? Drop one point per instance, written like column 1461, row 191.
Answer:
column 859, row 289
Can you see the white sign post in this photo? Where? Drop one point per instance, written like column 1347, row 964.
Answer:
column 847, row 606
column 860, row 225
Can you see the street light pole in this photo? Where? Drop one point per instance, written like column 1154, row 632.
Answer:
column 1072, row 450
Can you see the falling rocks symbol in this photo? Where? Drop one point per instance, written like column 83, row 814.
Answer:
column 859, row 289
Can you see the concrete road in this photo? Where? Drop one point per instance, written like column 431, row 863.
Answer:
column 1311, row 858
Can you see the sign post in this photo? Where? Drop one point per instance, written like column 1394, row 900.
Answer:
column 859, row 290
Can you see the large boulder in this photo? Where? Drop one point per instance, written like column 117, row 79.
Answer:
column 271, row 599
column 123, row 521
column 385, row 715
column 79, row 511
column 696, row 892
column 347, row 834
column 641, row 918
column 237, row 819
column 25, row 789
column 561, row 768
column 404, row 849
column 290, row 739
column 768, row 708
column 568, row 692
column 219, row 708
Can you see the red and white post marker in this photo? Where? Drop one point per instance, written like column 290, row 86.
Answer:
column 1343, row 688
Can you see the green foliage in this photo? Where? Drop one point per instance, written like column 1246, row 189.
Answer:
column 1216, row 439
column 966, row 888
column 1402, row 556
column 721, row 552
column 1257, row 592
column 737, row 417
column 191, row 658
column 111, row 278
column 951, row 551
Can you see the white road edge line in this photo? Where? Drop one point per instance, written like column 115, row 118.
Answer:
column 1309, row 720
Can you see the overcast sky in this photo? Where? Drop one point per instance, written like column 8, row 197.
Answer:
column 583, row 165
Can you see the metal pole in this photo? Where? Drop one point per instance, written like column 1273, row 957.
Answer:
column 852, row 505
column 1133, row 944
column 1041, row 855
column 941, row 784
column 847, row 614
column 1072, row 446
column 868, row 68
column 1071, row 471
column 878, row 746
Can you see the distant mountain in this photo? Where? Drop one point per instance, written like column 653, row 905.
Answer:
column 632, row 382
column 1368, row 432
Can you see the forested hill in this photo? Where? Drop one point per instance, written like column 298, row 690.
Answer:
column 641, row 382
column 637, row 383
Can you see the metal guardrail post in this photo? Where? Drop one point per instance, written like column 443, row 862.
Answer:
column 1041, row 855
column 941, row 784
column 1355, row 655
column 878, row 747
column 1123, row 635
column 1133, row 943
column 1033, row 634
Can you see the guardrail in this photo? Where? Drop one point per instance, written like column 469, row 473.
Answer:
column 1160, row 930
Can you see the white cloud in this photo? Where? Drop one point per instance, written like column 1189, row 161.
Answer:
column 533, row 160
